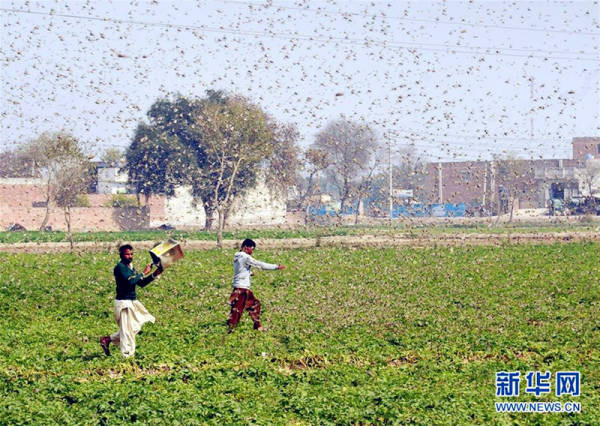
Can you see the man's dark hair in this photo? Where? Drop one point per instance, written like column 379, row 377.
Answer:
column 123, row 248
column 248, row 243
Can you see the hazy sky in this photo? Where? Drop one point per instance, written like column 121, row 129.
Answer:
column 460, row 80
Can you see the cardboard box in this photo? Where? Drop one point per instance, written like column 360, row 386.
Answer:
column 166, row 253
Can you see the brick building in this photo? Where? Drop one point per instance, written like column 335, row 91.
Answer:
column 492, row 183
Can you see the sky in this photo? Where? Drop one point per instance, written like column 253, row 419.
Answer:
column 454, row 80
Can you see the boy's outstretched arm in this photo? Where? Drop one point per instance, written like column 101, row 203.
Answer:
column 263, row 265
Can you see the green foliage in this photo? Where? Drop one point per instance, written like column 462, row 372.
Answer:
column 112, row 156
column 355, row 337
column 235, row 137
column 216, row 144
column 121, row 201
column 156, row 162
column 82, row 200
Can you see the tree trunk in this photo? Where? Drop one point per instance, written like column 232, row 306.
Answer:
column 306, row 213
column 47, row 215
column 208, row 221
column 344, row 198
column 68, row 220
column 342, row 207
column 208, row 217
column 342, row 203
column 498, row 210
column 225, row 205
column 357, row 211
column 221, row 221
column 226, row 212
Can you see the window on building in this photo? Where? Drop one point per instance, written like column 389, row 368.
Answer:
column 598, row 146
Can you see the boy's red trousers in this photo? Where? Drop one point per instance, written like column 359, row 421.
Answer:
column 242, row 299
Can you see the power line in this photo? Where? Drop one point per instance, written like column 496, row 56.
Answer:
column 452, row 49
column 409, row 133
column 441, row 142
column 345, row 40
column 454, row 151
column 429, row 21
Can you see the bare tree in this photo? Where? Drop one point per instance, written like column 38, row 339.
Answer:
column 314, row 161
column 55, row 156
column 113, row 157
column 237, row 138
column 282, row 169
column 513, row 177
column 72, row 177
column 349, row 147
column 284, row 165
column 66, row 170
column 367, row 182
column 17, row 164
column 590, row 176
column 409, row 170
column 408, row 173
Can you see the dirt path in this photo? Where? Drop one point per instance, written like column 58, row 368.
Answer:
column 398, row 240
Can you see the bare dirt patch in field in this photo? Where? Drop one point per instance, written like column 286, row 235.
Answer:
column 398, row 240
column 460, row 239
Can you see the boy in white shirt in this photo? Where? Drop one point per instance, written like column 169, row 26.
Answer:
column 242, row 298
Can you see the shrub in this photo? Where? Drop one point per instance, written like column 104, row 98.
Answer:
column 82, row 200
column 587, row 219
column 121, row 201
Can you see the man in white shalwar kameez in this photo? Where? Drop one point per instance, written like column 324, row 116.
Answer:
column 129, row 312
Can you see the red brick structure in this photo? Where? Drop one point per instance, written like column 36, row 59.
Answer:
column 458, row 182
column 491, row 183
column 22, row 201
column 584, row 147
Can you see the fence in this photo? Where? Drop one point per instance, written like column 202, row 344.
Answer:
column 415, row 210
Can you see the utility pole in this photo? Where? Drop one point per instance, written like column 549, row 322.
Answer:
column 492, row 186
column 531, row 109
column 390, row 164
column 484, row 183
column 440, row 183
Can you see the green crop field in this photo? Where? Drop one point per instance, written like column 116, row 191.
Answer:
column 355, row 336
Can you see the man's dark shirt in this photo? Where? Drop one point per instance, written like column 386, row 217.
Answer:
column 127, row 278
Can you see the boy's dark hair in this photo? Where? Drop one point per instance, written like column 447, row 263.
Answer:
column 248, row 243
column 123, row 248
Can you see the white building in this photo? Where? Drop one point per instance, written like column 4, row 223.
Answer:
column 111, row 180
column 589, row 177
column 260, row 206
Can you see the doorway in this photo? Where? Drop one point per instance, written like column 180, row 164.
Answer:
column 557, row 190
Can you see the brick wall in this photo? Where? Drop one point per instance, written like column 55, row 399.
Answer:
column 24, row 203
column 462, row 181
column 481, row 182
column 584, row 146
